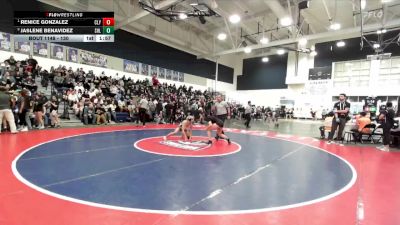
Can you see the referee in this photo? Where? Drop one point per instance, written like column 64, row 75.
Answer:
column 247, row 114
column 222, row 109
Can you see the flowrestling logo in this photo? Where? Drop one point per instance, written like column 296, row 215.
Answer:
column 185, row 145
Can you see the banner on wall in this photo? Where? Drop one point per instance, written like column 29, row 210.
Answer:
column 318, row 87
column 161, row 73
column 22, row 47
column 144, row 70
column 181, row 77
column 5, row 41
column 175, row 76
column 93, row 59
column 131, row 66
column 319, row 81
column 320, row 73
column 153, row 71
column 168, row 74
column 57, row 52
column 72, row 55
column 40, row 49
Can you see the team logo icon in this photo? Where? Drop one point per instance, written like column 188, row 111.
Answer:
column 185, row 145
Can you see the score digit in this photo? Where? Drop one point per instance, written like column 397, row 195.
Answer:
column 108, row 21
column 108, row 30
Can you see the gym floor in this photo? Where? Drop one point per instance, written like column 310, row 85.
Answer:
column 128, row 175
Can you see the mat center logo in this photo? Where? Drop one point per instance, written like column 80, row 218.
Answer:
column 185, row 145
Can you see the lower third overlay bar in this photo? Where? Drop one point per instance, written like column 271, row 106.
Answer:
column 64, row 38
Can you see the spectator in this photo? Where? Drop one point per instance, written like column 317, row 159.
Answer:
column 110, row 111
column 247, row 114
column 79, row 87
column 386, row 119
column 155, row 81
column 313, row 114
column 327, row 127
column 54, row 117
column 8, row 80
column 143, row 108
column 100, row 115
column 30, row 84
column 72, row 97
column 360, row 129
column 89, row 114
column 323, row 114
column 24, row 105
column 45, row 79
column 5, row 110
column 38, row 109
column 395, row 131
column 11, row 62
column 33, row 65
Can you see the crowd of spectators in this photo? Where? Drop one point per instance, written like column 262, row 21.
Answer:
column 95, row 99
column 98, row 99
column 30, row 108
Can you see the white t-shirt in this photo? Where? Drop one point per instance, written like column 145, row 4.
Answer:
column 221, row 108
column 77, row 88
column 143, row 103
column 92, row 93
column 73, row 97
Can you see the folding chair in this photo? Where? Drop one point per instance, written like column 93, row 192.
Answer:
column 371, row 128
column 378, row 133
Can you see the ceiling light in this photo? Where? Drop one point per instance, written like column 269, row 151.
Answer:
column 302, row 41
column 234, row 19
column 221, row 36
column 335, row 26
column 247, row 50
column 265, row 59
column 386, row 1
column 378, row 31
column 286, row 21
column 384, row 31
column 194, row 3
column 363, row 4
column 304, row 50
column 340, row 44
column 182, row 16
column 312, row 47
column 376, row 45
column 313, row 53
column 280, row 51
column 264, row 40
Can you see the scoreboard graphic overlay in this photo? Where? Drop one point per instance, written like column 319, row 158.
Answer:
column 64, row 26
